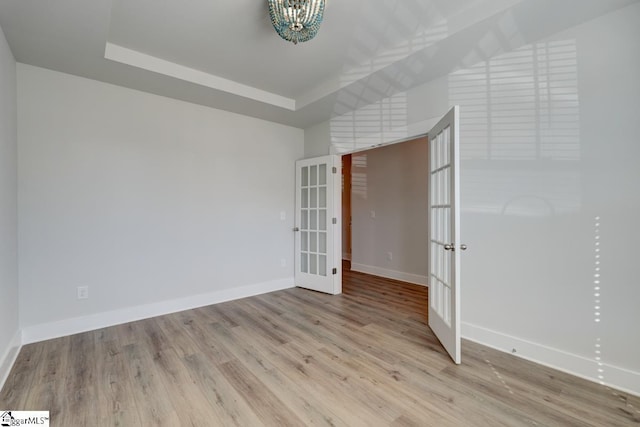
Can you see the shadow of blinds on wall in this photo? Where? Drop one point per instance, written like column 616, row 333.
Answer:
column 520, row 121
column 372, row 106
column 522, row 105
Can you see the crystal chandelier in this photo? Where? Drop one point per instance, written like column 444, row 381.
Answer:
column 296, row 20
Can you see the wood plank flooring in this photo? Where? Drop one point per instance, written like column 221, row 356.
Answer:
column 296, row 358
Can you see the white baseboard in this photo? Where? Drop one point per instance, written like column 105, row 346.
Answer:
column 390, row 274
column 9, row 357
column 583, row 367
column 91, row 322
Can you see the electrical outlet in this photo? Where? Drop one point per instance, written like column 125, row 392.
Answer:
column 373, row 214
column 83, row 292
column 283, row 215
column 283, row 262
column 389, row 256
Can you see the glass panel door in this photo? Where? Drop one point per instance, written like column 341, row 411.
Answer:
column 317, row 224
column 444, row 233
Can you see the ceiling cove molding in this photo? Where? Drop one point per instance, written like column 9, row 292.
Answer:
column 137, row 59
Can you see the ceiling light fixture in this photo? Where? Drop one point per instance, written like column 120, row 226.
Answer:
column 296, row 20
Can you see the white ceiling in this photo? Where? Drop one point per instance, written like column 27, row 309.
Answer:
column 226, row 55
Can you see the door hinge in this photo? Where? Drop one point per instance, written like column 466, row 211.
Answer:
column 334, row 271
column 334, row 220
column 334, row 169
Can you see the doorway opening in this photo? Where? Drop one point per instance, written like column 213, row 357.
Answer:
column 384, row 211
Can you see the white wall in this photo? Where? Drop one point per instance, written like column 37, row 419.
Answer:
column 146, row 200
column 389, row 211
column 549, row 142
column 9, row 337
column 315, row 140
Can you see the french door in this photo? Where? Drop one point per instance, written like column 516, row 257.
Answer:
column 318, row 252
column 444, row 233
column 318, row 230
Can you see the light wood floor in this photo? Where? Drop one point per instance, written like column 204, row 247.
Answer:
column 295, row 358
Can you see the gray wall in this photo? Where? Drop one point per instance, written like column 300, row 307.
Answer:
column 8, row 210
column 389, row 211
column 144, row 199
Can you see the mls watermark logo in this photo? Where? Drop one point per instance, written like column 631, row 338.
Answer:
column 24, row 418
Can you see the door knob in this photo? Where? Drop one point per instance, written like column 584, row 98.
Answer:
column 296, row 229
column 452, row 247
